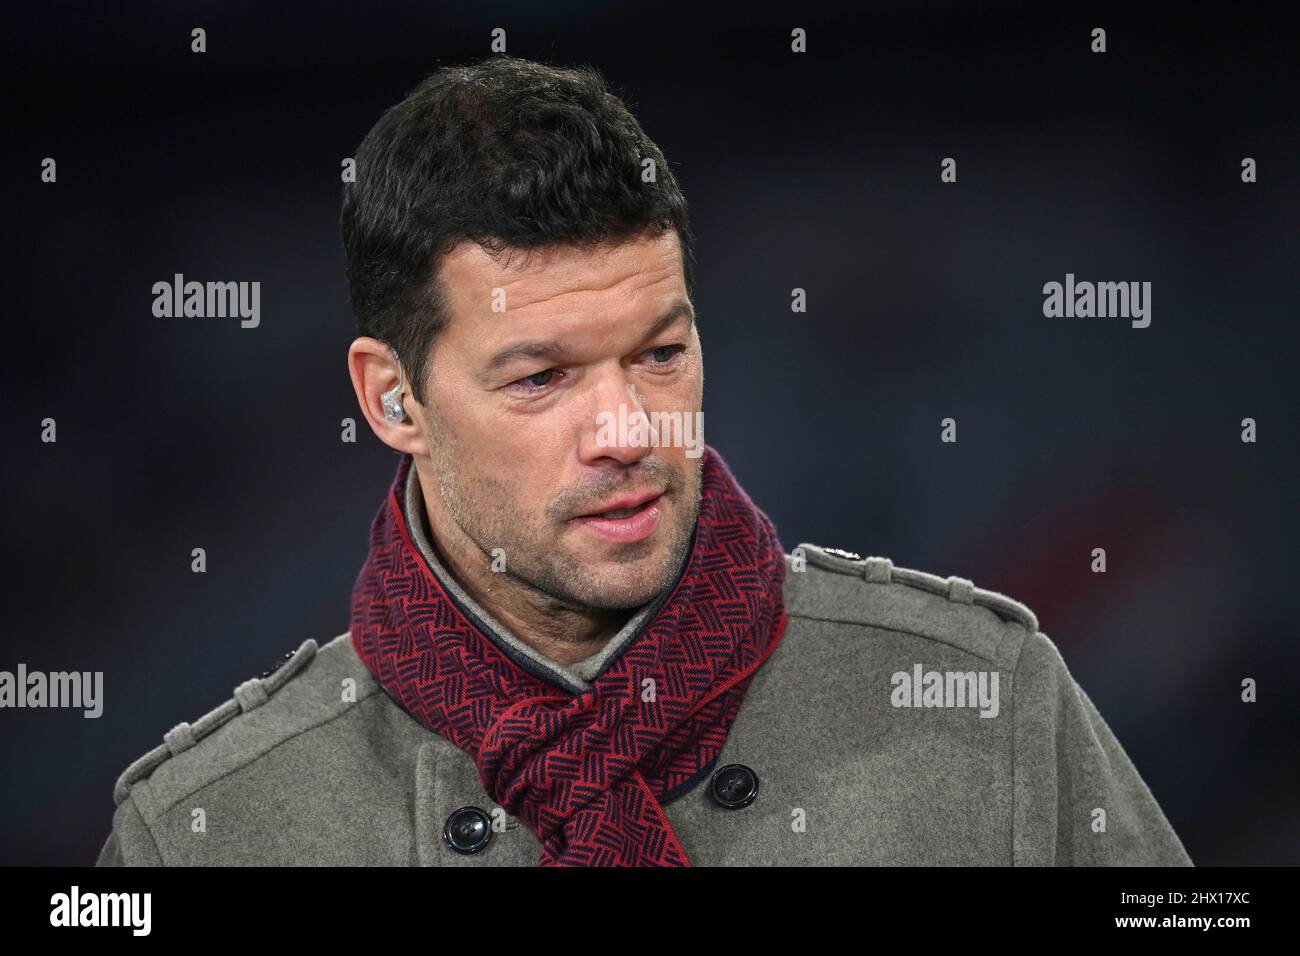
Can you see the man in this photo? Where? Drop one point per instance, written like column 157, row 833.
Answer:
column 575, row 640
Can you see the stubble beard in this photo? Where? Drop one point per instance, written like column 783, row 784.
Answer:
column 486, row 512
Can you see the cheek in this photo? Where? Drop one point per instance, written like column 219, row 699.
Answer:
column 694, row 381
column 525, row 457
column 689, row 393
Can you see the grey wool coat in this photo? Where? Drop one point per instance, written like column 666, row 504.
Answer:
column 904, row 719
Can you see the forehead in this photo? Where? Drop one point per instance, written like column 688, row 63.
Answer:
column 560, row 280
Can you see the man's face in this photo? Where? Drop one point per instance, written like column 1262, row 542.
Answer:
column 520, row 404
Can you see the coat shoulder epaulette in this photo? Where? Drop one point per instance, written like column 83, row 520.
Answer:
column 874, row 591
column 217, row 742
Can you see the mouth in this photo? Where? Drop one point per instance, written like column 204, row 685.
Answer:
column 624, row 505
column 626, row 519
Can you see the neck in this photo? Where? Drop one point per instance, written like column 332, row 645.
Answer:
column 565, row 633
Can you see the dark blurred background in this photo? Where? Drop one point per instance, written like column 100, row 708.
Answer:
column 819, row 171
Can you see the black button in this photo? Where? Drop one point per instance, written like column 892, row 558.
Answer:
column 277, row 665
column 468, row 830
column 734, row 786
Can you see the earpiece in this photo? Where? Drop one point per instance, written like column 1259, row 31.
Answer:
column 394, row 411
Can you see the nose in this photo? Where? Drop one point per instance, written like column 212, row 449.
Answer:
column 619, row 429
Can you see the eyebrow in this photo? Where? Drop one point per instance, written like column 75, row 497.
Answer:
column 554, row 350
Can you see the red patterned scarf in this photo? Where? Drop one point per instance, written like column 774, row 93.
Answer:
column 586, row 773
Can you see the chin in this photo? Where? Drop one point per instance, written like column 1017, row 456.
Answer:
column 628, row 586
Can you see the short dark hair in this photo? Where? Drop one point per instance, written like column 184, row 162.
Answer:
column 509, row 153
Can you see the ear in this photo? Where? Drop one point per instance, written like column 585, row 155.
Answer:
column 375, row 371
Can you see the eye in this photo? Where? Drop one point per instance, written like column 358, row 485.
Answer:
column 664, row 355
column 537, row 382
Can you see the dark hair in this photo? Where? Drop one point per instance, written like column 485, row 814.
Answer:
column 509, row 153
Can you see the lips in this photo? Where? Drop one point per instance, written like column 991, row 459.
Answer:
column 625, row 520
column 622, row 506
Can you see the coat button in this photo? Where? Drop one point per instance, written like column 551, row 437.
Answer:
column 734, row 786
column 467, row 830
